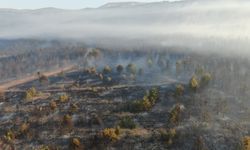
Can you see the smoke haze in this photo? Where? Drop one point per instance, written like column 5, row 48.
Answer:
column 204, row 25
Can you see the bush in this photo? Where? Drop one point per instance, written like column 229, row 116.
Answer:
column 10, row 136
column 175, row 114
column 31, row 93
column 75, row 144
column 91, row 70
column 193, row 83
column 64, row 98
column 94, row 53
column 117, row 130
column 100, row 76
column 127, row 123
column 199, row 70
column 67, row 120
column 131, row 68
column 110, row 134
column 179, row 90
column 139, row 105
column 246, row 143
column 153, row 95
column 107, row 69
column 119, row 69
column 53, row 105
column 146, row 103
column 205, row 79
column 168, row 135
column 95, row 120
column 24, row 128
column 44, row 147
column 73, row 108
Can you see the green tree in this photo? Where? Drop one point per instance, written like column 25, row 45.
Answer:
column 119, row 69
column 107, row 69
column 131, row 68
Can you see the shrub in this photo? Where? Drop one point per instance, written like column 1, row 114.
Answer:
column 100, row 76
column 127, row 123
column 63, row 98
column 75, row 144
column 119, row 69
column 110, row 134
column 246, row 143
column 45, row 148
column 168, row 135
column 9, row 135
column 146, row 103
column 131, row 68
column 91, row 70
column 139, row 105
column 31, row 93
column 107, row 69
column 24, row 128
column 199, row 70
column 73, row 107
column 193, row 83
column 205, row 79
column 175, row 114
column 94, row 53
column 179, row 90
column 67, row 120
column 95, row 120
column 53, row 105
column 153, row 95
column 117, row 130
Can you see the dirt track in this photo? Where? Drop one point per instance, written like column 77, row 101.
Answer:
column 13, row 83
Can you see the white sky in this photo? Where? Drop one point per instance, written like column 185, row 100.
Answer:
column 66, row 4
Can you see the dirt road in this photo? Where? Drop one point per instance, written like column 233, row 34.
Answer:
column 13, row 83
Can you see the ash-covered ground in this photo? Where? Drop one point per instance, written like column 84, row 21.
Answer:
column 132, row 100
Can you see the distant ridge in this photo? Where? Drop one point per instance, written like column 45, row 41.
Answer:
column 106, row 6
column 121, row 4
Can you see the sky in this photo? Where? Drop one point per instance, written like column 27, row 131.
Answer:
column 65, row 4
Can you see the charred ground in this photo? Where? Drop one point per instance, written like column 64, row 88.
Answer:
column 132, row 100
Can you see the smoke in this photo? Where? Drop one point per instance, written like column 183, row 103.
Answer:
column 198, row 25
